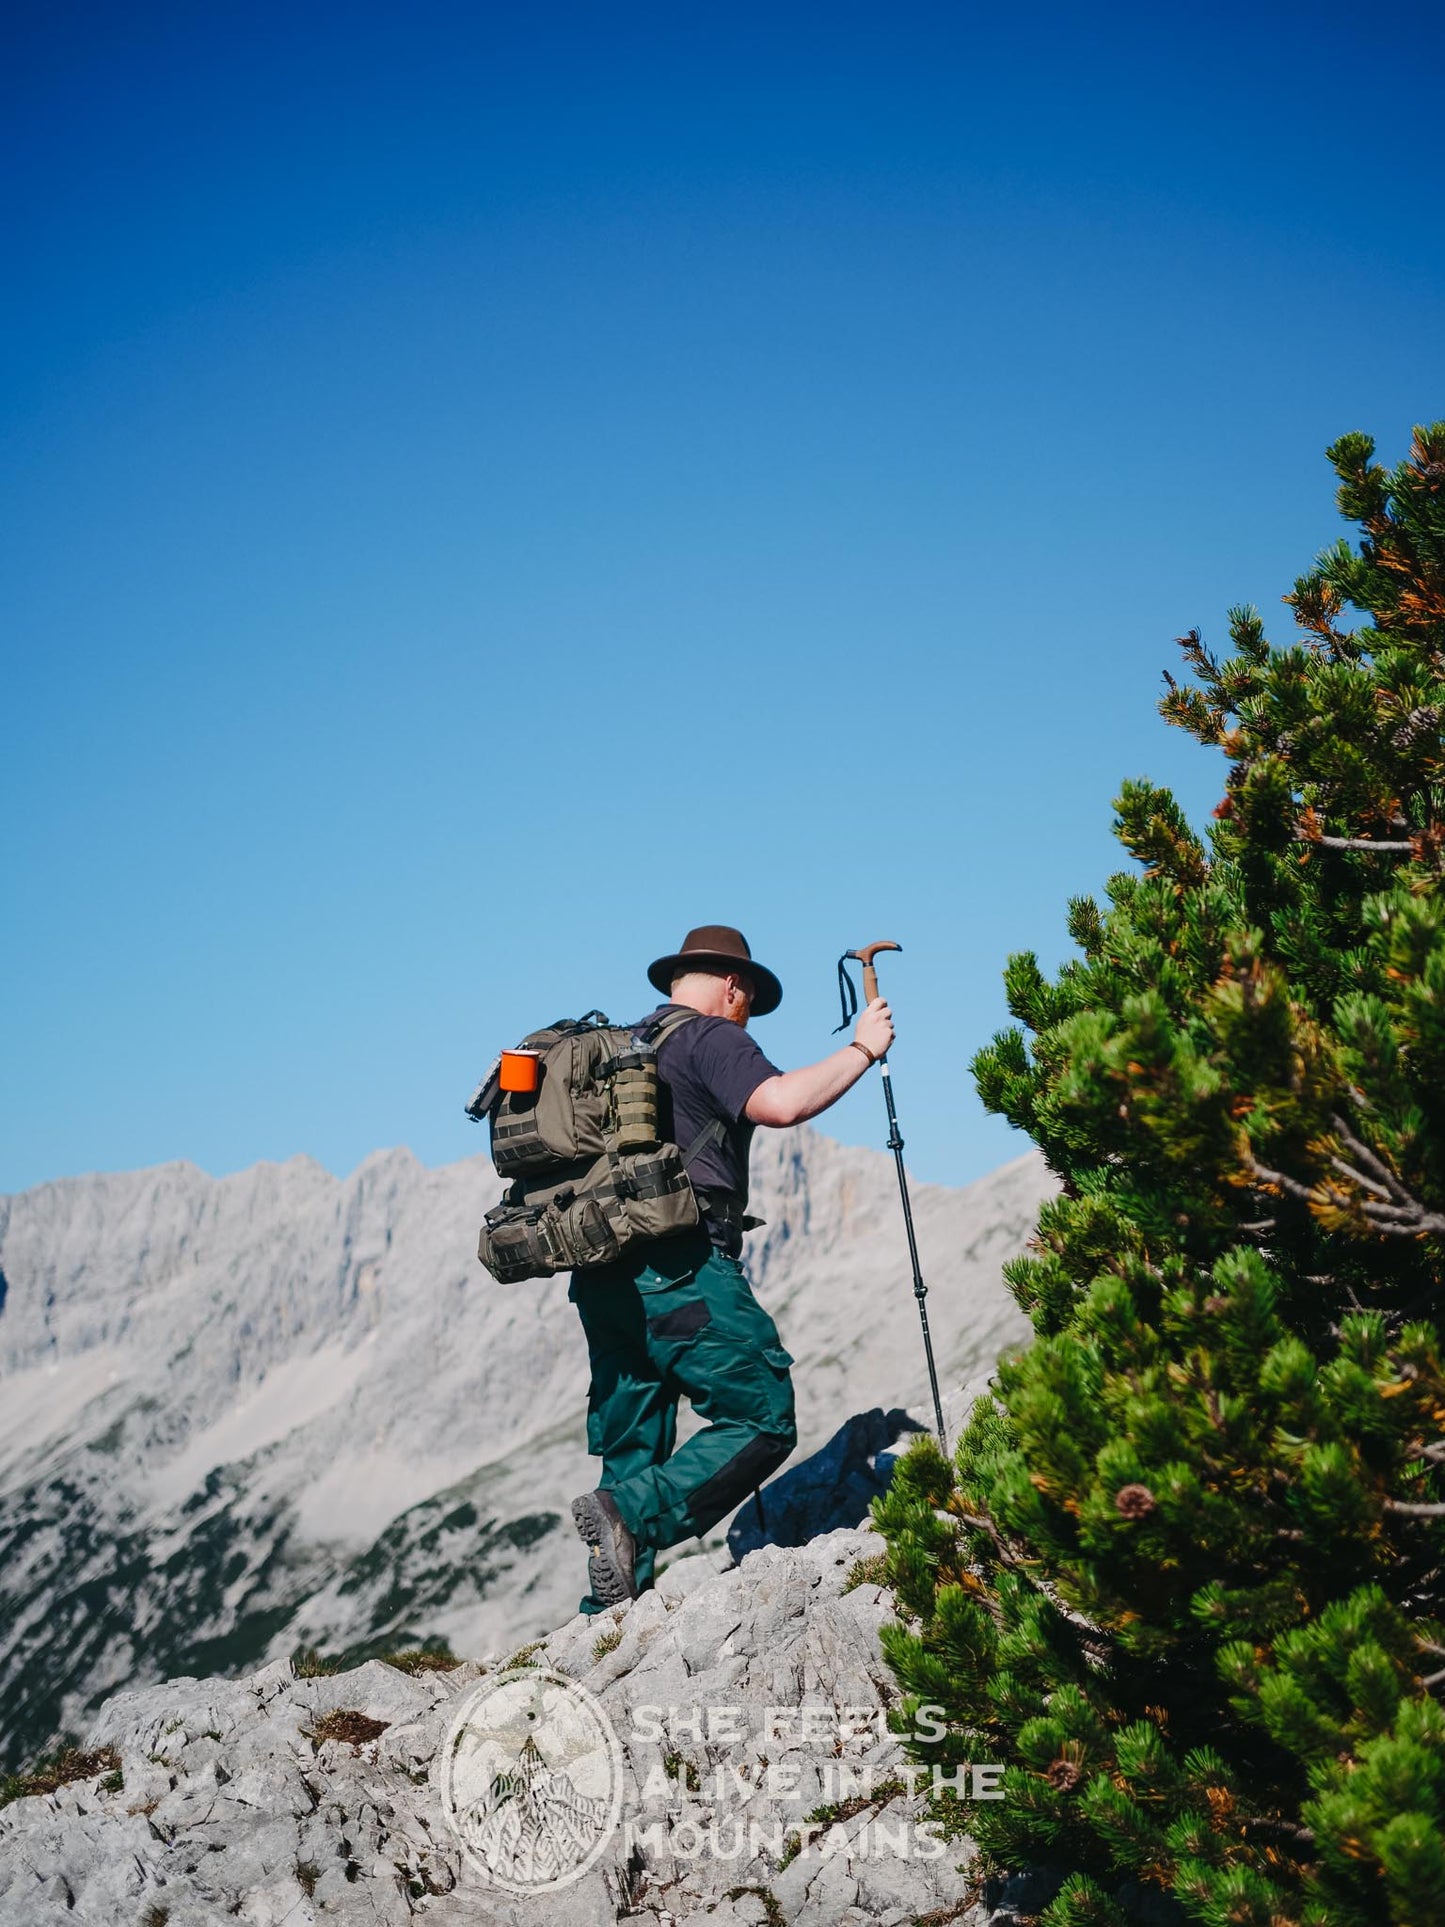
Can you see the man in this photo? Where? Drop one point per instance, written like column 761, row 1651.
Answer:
column 676, row 1317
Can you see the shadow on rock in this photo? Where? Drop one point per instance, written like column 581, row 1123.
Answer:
column 833, row 1488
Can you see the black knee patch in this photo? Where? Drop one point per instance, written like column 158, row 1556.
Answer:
column 731, row 1483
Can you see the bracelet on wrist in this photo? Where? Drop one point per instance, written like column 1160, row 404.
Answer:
column 853, row 1044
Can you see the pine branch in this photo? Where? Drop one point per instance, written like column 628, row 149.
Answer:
column 1408, row 1218
column 1354, row 843
column 1091, row 1637
column 1372, row 1161
column 1006, row 1556
column 1349, row 1171
column 1276, row 1823
column 1397, row 1221
column 1281, row 1181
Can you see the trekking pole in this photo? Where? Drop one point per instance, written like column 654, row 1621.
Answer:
column 849, row 998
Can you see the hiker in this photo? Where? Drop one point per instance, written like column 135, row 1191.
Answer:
column 675, row 1316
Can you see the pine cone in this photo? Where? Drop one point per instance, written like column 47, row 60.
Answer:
column 1419, row 722
column 1134, row 1501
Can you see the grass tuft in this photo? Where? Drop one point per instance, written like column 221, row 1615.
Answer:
column 607, row 1641
column 344, row 1723
column 421, row 1659
column 776, row 1916
column 872, row 1571
column 62, row 1769
column 307, row 1663
column 427, row 1656
column 523, row 1656
column 829, row 1816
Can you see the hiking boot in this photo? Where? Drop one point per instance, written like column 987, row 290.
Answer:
column 604, row 1532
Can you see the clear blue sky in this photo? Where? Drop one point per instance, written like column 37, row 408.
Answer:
column 487, row 488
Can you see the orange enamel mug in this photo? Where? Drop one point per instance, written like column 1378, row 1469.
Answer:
column 521, row 1070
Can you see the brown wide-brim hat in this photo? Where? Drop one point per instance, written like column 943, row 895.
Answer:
column 718, row 943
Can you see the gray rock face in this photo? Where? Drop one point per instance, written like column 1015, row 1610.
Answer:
column 233, row 1809
column 282, row 1409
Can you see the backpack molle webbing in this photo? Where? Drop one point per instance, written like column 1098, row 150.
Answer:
column 590, row 1175
column 567, row 1116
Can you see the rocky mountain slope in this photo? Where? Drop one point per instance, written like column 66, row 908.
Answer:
column 243, row 1415
column 275, row 1799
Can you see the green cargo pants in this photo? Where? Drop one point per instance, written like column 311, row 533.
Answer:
column 673, row 1319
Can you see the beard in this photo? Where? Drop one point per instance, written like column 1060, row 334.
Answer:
column 740, row 1012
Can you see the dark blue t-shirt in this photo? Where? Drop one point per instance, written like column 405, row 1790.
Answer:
column 708, row 1068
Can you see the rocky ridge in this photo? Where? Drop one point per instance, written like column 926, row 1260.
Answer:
column 231, row 1803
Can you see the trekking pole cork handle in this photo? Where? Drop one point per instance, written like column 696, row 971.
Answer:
column 865, row 957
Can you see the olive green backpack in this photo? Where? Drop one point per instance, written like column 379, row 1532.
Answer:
column 590, row 1174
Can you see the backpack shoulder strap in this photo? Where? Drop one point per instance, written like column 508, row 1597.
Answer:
column 713, row 1132
column 656, row 1032
column 657, row 1029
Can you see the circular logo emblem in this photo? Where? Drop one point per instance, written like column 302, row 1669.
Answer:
column 532, row 1779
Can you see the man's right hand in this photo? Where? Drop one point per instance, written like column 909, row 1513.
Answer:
column 874, row 1029
column 792, row 1097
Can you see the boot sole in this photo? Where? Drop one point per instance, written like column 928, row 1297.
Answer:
column 608, row 1577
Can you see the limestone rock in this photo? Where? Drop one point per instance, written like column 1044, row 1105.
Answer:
column 233, row 1808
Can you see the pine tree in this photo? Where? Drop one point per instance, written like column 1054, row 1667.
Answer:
column 1185, row 1579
